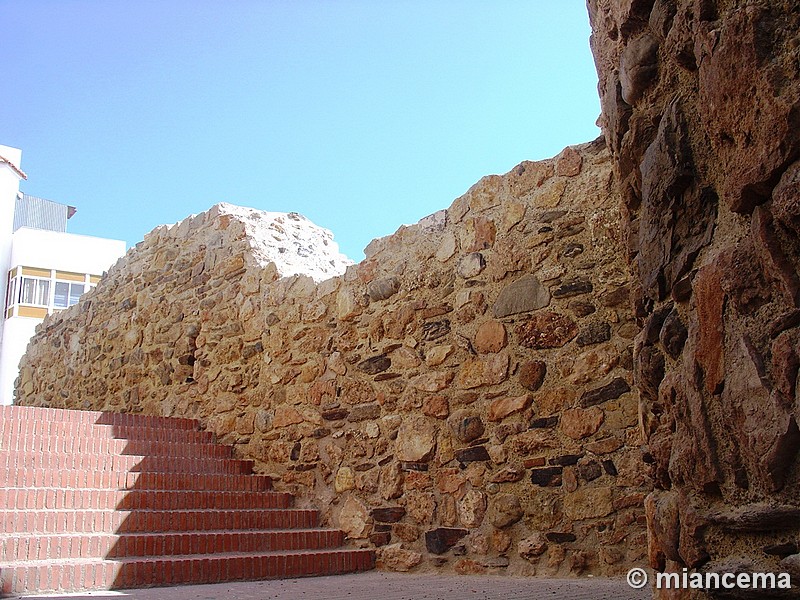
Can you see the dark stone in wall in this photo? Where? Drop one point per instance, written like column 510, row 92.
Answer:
column 594, row 333
column 560, row 537
column 374, row 365
column 440, row 540
column 610, row 391
column 473, row 454
column 390, row 514
column 546, row 330
column 547, row 476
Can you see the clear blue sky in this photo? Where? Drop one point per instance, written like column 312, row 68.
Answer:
column 361, row 115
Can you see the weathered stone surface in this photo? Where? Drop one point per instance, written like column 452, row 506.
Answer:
column 437, row 355
column 436, row 406
column 467, row 566
column 786, row 198
column 745, row 99
column 335, row 414
column 532, row 441
column 778, row 268
column 605, row 446
column 548, row 476
column 699, row 108
column 480, row 233
column 472, row 454
column 594, row 333
column 442, row 539
column 565, row 459
column 472, row 508
column 466, row 427
column 490, row 337
column 546, row 330
column 285, row 416
column 408, row 532
column 574, row 287
column 710, row 334
column 673, row 334
column 532, row 374
column 374, row 365
column 396, row 558
column 447, row 248
column 353, row 518
column 791, row 565
column 389, row 514
column 364, row 412
column 345, row 480
column 504, row 407
column 588, row 503
column 416, row 439
column 614, row 389
column 560, row 537
column 589, row 471
column 532, row 546
column 471, row 265
column 568, row 163
column 638, row 67
column 579, row 423
column 544, row 422
column 592, row 364
column 649, row 371
column 508, row 475
column 505, row 510
column 382, row 289
column 491, row 370
column 434, row 381
column 420, row 506
column 523, row 295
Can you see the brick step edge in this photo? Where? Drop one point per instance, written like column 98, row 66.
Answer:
column 125, row 462
column 21, row 427
column 95, row 417
column 43, row 522
column 114, row 447
column 100, row 499
column 54, row 575
column 14, row 548
column 127, row 480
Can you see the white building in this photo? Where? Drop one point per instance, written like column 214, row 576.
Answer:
column 45, row 269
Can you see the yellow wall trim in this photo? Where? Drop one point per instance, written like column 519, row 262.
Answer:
column 35, row 272
column 32, row 311
column 67, row 276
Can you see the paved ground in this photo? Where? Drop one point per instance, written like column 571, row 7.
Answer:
column 376, row 585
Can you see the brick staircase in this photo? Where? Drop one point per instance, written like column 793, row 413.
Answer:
column 92, row 500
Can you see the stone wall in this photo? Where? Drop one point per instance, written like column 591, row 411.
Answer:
column 461, row 399
column 701, row 110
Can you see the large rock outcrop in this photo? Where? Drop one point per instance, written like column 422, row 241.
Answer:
column 461, row 399
column 701, row 110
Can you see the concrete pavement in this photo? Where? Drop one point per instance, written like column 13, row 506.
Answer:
column 386, row 586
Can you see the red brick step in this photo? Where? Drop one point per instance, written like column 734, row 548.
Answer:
column 70, row 545
column 28, row 413
column 93, row 500
column 39, row 576
column 97, row 499
column 123, row 463
column 14, row 428
column 121, row 480
column 92, row 445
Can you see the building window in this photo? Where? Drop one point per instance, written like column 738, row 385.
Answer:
column 67, row 294
column 37, row 292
